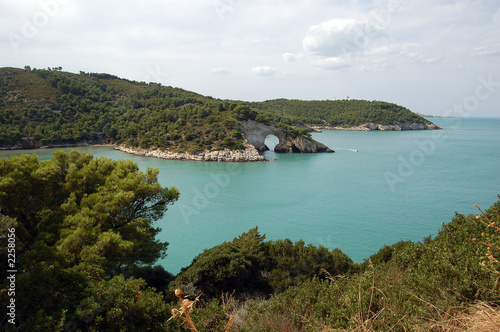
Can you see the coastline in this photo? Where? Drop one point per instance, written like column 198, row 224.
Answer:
column 250, row 154
column 375, row 126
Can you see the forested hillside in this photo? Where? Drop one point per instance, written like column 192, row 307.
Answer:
column 49, row 107
column 342, row 113
column 82, row 232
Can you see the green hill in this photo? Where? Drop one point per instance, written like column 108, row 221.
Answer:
column 342, row 113
column 49, row 107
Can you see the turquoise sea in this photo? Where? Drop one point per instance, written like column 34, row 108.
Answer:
column 378, row 188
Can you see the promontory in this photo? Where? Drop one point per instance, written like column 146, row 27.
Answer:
column 52, row 108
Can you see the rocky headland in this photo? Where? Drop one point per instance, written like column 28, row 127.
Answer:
column 254, row 134
column 250, row 154
column 376, row 126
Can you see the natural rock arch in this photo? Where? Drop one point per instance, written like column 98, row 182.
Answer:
column 255, row 133
column 271, row 141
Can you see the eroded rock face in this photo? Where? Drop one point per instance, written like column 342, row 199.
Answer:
column 248, row 155
column 255, row 133
column 400, row 126
column 376, row 126
column 302, row 145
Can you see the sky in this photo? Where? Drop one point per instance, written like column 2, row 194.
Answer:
column 431, row 56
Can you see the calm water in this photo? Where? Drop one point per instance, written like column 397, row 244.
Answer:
column 397, row 186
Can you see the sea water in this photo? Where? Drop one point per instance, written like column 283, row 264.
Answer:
column 378, row 188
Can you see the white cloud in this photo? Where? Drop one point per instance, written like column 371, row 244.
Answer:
column 340, row 36
column 310, row 51
column 487, row 50
column 407, row 51
column 333, row 63
column 264, row 71
column 220, row 71
column 292, row 56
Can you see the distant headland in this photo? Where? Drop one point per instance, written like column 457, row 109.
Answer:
column 425, row 115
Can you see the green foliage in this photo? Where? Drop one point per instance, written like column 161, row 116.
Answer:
column 121, row 304
column 290, row 264
column 53, row 108
column 251, row 266
column 386, row 253
column 79, row 223
column 226, row 267
column 49, row 107
column 449, row 267
column 86, row 244
column 344, row 113
column 155, row 276
column 400, row 288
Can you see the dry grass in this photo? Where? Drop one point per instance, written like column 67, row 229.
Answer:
column 187, row 308
column 480, row 317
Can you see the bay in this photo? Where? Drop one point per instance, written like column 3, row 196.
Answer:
column 378, row 188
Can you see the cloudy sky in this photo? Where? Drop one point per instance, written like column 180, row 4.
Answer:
column 432, row 56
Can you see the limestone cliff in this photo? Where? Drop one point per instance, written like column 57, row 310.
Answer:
column 397, row 127
column 249, row 154
column 255, row 133
column 301, row 144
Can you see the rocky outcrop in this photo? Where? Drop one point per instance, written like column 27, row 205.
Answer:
column 398, row 127
column 247, row 155
column 256, row 132
column 302, row 145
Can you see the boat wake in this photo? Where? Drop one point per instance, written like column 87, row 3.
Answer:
column 353, row 150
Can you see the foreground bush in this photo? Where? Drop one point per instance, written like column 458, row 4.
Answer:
column 250, row 266
column 79, row 222
column 419, row 285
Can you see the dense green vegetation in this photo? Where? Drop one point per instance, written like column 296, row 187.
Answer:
column 343, row 113
column 252, row 266
column 403, row 287
column 49, row 107
column 85, row 244
column 81, row 224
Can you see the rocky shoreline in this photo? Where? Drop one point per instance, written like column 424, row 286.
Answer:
column 376, row 126
column 250, row 154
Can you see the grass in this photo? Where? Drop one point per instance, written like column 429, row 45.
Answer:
column 479, row 317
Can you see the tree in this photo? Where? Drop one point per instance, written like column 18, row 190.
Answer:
column 226, row 267
column 79, row 223
column 123, row 304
